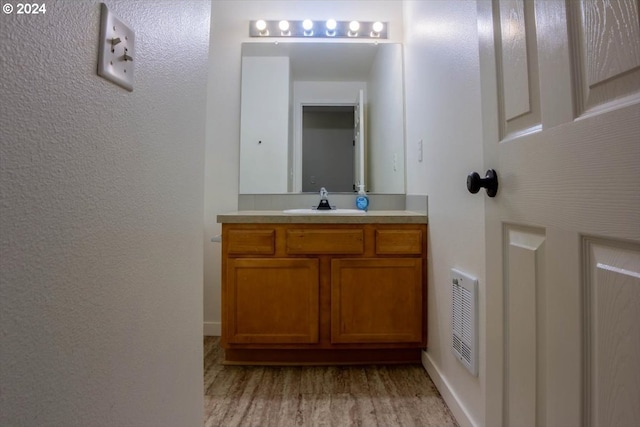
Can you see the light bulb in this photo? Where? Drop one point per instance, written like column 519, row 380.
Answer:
column 378, row 26
column 261, row 25
column 331, row 24
column 354, row 26
column 307, row 24
column 284, row 26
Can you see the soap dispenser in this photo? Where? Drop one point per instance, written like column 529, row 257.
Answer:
column 362, row 201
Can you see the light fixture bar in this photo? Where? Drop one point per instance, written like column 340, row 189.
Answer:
column 318, row 29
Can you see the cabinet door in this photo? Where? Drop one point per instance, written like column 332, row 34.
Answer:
column 272, row 301
column 377, row 300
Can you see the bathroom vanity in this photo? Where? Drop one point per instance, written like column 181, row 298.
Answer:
column 323, row 289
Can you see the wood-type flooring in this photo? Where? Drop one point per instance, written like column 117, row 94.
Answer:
column 283, row 396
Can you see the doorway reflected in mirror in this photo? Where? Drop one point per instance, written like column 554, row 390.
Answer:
column 327, row 148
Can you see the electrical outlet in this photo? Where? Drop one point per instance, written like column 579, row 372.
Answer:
column 117, row 49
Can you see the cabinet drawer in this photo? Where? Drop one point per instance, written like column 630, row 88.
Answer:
column 251, row 242
column 399, row 242
column 325, row 241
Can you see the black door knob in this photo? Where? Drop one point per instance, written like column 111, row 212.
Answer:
column 490, row 182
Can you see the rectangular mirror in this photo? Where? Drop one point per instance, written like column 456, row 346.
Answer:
column 322, row 115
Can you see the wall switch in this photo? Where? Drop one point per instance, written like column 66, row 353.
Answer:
column 420, row 150
column 117, row 50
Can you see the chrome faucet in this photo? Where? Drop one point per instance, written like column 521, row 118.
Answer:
column 324, row 200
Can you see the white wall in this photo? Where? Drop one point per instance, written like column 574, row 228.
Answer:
column 443, row 108
column 101, row 219
column 264, row 126
column 229, row 28
column 386, row 151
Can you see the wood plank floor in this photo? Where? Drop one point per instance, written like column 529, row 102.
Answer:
column 394, row 395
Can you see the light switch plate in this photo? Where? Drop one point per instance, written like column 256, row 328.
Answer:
column 117, row 49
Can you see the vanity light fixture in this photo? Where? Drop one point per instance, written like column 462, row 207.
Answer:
column 307, row 28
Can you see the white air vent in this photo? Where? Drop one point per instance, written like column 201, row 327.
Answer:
column 464, row 319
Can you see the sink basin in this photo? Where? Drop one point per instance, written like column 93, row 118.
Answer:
column 324, row 212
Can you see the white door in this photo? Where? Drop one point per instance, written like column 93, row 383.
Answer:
column 358, row 138
column 561, row 106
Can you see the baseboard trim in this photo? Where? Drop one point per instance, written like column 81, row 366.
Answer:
column 450, row 397
column 212, row 329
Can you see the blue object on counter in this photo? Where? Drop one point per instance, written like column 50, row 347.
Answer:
column 362, row 201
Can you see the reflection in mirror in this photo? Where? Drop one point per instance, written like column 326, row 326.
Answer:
column 327, row 148
column 295, row 131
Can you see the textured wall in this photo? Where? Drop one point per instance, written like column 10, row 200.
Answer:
column 101, row 218
column 442, row 78
column 229, row 28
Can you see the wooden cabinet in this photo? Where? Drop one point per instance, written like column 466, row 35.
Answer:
column 323, row 293
column 376, row 300
column 272, row 300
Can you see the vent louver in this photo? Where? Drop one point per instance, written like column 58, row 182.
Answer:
column 464, row 320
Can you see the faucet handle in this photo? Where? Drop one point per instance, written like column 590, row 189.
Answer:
column 324, row 200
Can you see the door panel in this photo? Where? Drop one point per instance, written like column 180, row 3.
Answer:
column 572, row 174
column 524, row 259
column 272, row 300
column 612, row 339
column 377, row 300
column 518, row 66
column 607, row 51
